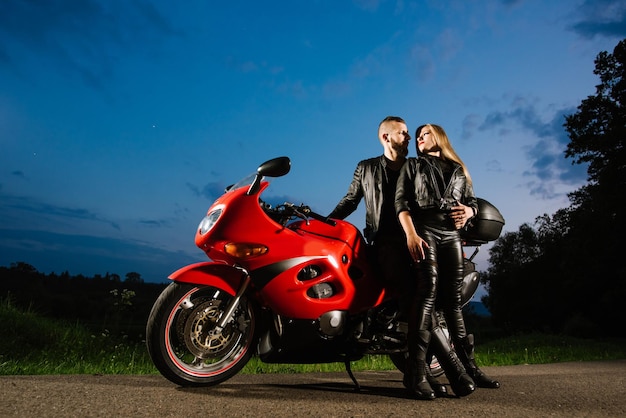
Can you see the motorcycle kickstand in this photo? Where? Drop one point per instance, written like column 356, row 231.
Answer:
column 357, row 387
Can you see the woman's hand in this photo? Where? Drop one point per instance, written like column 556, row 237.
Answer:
column 414, row 242
column 416, row 246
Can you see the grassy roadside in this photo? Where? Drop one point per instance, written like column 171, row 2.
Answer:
column 35, row 345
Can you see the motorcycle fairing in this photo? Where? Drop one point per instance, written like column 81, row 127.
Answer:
column 265, row 274
column 208, row 273
column 338, row 250
column 289, row 296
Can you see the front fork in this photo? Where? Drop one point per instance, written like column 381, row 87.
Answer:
column 234, row 303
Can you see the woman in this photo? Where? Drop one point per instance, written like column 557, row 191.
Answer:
column 434, row 199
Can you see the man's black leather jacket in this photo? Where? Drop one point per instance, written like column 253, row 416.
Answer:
column 367, row 182
column 417, row 187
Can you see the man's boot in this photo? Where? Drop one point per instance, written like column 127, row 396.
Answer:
column 460, row 381
column 466, row 355
column 415, row 377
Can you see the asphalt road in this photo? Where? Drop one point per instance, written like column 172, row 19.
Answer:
column 590, row 389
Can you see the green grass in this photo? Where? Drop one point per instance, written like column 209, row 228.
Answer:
column 543, row 348
column 35, row 345
column 32, row 344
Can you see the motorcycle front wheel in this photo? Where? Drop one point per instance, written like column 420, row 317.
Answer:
column 182, row 339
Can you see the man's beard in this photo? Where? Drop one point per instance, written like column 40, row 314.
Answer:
column 401, row 149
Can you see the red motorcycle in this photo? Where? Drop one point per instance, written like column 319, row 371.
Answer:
column 285, row 283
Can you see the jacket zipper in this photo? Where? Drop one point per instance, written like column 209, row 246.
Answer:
column 436, row 183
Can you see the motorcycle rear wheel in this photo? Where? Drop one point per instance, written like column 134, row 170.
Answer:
column 182, row 341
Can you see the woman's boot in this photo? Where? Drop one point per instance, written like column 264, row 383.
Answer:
column 466, row 354
column 460, row 381
column 415, row 377
column 438, row 387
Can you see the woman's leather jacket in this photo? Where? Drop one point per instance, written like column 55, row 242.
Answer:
column 417, row 187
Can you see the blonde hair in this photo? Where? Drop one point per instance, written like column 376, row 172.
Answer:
column 447, row 151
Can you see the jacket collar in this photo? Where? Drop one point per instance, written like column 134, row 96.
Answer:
column 384, row 161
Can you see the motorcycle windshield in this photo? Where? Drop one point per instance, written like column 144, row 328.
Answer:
column 244, row 182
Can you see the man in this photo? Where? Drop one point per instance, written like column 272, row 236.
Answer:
column 375, row 181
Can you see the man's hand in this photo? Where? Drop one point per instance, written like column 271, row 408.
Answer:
column 460, row 214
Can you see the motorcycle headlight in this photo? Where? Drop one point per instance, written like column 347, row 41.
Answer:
column 209, row 221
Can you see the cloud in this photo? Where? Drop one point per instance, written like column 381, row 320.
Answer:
column 523, row 114
column 245, row 66
column 550, row 175
column 58, row 238
column 601, row 18
column 424, row 55
column 370, row 65
column 20, row 210
column 295, row 89
column 547, row 155
column 367, row 5
column 54, row 238
column 156, row 223
column 89, row 255
column 494, row 166
column 470, row 124
column 423, row 63
column 450, row 43
column 210, row 191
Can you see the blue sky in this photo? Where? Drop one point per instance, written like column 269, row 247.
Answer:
column 122, row 120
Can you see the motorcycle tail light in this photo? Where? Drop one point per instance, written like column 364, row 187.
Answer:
column 244, row 250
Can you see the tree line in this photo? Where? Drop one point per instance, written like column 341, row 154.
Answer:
column 566, row 273
column 103, row 303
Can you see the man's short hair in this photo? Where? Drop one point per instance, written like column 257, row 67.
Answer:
column 389, row 119
column 392, row 119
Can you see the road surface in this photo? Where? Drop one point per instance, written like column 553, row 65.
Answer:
column 589, row 389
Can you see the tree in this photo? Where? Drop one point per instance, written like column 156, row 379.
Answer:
column 566, row 274
column 23, row 267
column 597, row 130
column 597, row 134
column 522, row 279
column 133, row 277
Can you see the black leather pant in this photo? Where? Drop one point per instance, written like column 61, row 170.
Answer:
column 439, row 279
column 393, row 267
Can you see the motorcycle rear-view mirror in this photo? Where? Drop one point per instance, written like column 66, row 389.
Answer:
column 275, row 167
